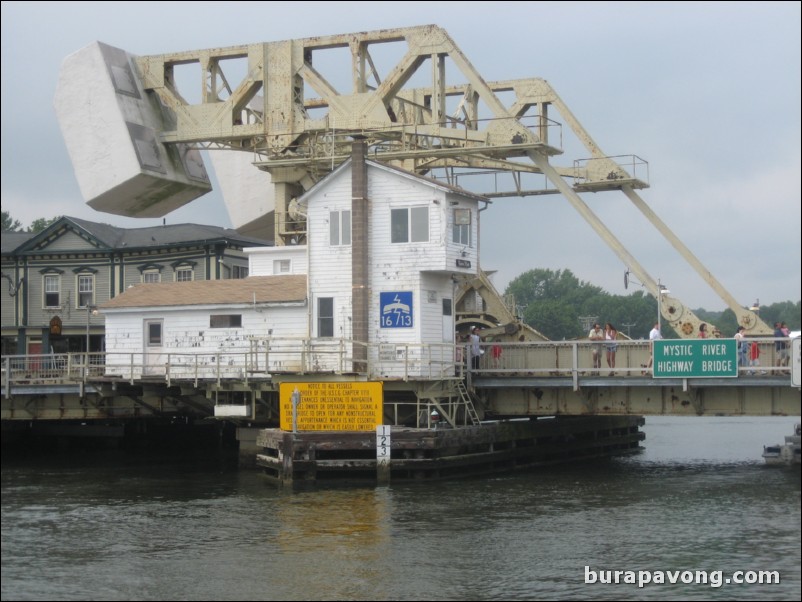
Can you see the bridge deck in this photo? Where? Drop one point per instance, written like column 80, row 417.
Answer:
column 532, row 378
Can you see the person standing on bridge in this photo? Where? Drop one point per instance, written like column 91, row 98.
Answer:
column 610, row 336
column 786, row 333
column 754, row 357
column 702, row 334
column 596, row 336
column 780, row 347
column 742, row 346
column 654, row 335
column 495, row 353
column 475, row 348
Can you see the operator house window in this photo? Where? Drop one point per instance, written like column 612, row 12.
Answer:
column 240, row 271
column 325, row 317
column 462, row 227
column 52, row 290
column 410, row 224
column 339, row 228
column 281, row 266
column 86, row 290
column 225, row 321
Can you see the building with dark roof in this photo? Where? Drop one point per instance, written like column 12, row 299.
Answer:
column 55, row 278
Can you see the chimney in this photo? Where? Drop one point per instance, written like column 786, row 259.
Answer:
column 359, row 254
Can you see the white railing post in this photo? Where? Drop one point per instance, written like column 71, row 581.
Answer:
column 305, row 353
column 575, row 357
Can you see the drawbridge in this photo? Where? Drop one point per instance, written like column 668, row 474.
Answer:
column 277, row 117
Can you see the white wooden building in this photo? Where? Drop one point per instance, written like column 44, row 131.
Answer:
column 423, row 239
column 420, row 239
column 201, row 329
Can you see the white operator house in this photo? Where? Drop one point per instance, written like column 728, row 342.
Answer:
column 367, row 290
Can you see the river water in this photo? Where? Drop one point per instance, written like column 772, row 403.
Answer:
column 698, row 499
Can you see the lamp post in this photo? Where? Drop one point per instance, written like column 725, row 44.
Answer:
column 661, row 290
column 91, row 310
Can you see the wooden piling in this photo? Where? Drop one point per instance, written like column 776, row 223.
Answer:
column 424, row 454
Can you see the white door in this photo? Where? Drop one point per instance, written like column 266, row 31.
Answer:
column 153, row 357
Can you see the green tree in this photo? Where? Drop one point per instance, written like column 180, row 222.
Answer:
column 784, row 311
column 554, row 301
column 553, row 319
column 40, row 224
column 543, row 284
column 9, row 224
column 725, row 321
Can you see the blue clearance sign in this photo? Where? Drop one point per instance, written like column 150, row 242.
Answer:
column 705, row 358
column 396, row 309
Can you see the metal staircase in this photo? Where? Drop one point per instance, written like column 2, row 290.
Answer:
column 447, row 398
column 465, row 396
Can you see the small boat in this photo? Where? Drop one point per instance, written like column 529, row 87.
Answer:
column 787, row 453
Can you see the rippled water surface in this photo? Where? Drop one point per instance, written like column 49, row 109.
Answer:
column 123, row 527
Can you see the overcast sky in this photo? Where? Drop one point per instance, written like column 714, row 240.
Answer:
column 707, row 92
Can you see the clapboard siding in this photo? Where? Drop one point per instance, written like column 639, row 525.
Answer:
column 261, row 260
column 330, row 266
column 422, row 268
column 7, row 301
column 70, row 241
column 187, row 334
column 68, row 271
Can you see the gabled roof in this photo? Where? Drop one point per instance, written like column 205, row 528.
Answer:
column 433, row 182
column 398, row 171
column 106, row 236
column 11, row 240
column 254, row 289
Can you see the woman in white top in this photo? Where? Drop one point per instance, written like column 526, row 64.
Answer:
column 610, row 335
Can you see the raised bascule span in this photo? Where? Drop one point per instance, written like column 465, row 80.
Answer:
column 277, row 117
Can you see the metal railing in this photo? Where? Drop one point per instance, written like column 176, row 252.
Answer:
column 611, row 169
column 263, row 358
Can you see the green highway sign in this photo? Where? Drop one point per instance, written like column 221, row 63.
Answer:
column 705, row 358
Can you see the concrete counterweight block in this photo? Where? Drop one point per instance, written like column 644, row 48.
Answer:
column 112, row 128
column 248, row 192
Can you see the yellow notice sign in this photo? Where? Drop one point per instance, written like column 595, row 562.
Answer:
column 351, row 406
